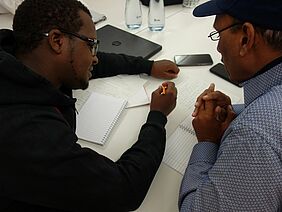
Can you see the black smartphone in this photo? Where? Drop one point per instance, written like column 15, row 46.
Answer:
column 193, row 60
column 219, row 70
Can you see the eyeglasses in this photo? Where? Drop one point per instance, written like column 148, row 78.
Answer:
column 92, row 43
column 215, row 35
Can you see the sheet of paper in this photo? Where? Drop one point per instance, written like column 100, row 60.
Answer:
column 180, row 143
column 3, row 10
column 9, row 5
column 129, row 87
column 139, row 99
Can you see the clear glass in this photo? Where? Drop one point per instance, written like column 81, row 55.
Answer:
column 133, row 14
column 156, row 15
column 190, row 3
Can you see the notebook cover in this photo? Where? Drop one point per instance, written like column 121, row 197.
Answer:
column 98, row 116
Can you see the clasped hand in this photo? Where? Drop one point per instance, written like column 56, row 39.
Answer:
column 212, row 115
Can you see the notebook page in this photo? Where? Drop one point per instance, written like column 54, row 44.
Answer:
column 180, row 143
column 98, row 116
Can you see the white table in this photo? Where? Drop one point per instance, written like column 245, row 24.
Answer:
column 183, row 34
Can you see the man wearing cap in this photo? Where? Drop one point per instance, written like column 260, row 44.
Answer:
column 237, row 163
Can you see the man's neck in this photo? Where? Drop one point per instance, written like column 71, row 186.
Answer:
column 41, row 66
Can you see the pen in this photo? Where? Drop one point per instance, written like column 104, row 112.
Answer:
column 164, row 90
column 100, row 20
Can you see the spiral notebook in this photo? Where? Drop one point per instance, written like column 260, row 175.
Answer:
column 98, row 116
column 179, row 146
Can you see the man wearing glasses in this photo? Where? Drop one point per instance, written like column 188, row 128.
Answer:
column 52, row 50
column 237, row 163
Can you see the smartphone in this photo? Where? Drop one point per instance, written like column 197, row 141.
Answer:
column 219, row 70
column 193, row 60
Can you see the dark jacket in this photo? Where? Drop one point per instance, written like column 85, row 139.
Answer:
column 43, row 168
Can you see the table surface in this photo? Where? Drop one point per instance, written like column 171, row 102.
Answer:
column 183, row 34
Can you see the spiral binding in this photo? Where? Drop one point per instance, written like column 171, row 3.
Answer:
column 188, row 129
column 115, row 120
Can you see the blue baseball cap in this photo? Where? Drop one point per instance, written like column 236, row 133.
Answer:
column 262, row 13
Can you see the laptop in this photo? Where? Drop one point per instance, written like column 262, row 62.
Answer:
column 115, row 40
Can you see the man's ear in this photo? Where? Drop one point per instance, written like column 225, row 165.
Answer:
column 56, row 40
column 247, row 39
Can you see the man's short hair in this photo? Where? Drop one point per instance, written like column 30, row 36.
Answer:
column 272, row 37
column 35, row 17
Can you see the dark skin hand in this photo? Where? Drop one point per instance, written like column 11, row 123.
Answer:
column 164, row 69
column 164, row 103
column 222, row 102
column 206, row 124
column 200, row 100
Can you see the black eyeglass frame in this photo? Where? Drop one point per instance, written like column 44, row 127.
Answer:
column 92, row 43
column 213, row 33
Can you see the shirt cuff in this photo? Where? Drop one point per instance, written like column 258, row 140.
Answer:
column 204, row 152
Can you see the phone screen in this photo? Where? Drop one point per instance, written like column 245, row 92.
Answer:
column 219, row 70
column 193, row 60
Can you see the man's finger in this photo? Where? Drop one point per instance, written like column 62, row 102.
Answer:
column 199, row 100
column 209, row 107
column 230, row 115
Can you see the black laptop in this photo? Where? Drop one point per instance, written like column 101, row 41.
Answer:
column 115, row 40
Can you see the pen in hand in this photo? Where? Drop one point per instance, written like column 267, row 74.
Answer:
column 164, row 90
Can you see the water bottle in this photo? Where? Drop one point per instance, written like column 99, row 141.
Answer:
column 133, row 14
column 156, row 15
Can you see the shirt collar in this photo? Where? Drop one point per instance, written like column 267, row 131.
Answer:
column 266, row 78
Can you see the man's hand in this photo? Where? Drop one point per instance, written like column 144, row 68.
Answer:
column 164, row 102
column 200, row 100
column 206, row 123
column 164, row 69
column 221, row 100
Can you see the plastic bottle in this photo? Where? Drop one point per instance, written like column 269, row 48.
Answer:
column 156, row 15
column 133, row 14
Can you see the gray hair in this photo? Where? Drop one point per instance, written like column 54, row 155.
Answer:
column 272, row 37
